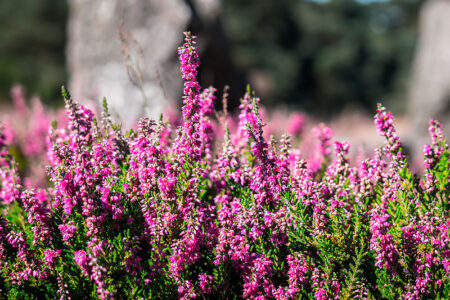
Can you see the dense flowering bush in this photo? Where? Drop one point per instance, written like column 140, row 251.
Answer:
column 166, row 212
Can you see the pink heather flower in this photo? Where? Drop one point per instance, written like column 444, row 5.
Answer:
column 297, row 273
column 10, row 183
column 321, row 294
column 8, row 134
column 205, row 283
column 50, row 257
column 35, row 145
column 80, row 122
column 321, row 155
column 4, row 231
column 39, row 216
column 341, row 148
column 382, row 242
column 83, row 261
column 62, row 291
column 429, row 157
column 18, row 98
column 167, row 184
column 145, row 160
column 68, row 231
column 9, row 187
column 296, row 124
column 437, row 136
column 336, row 286
column 304, row 184
column 98, row 273
column 186, row 290
column 257, row 282
column 190, row 142
column 430, row 182
column 446, row 262
column 324, row 135
column 205, row 127
column 384, row 122
column 385, row 127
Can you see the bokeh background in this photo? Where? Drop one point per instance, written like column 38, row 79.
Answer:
column 317, row 55
column 32, row 47
column 323, row 57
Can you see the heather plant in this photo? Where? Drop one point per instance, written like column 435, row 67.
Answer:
column 26, row 129
column 178, row 212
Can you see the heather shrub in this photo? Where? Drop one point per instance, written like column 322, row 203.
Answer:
column 179, row 212
column 26, row 127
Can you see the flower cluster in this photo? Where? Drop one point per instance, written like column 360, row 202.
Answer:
column 215, row 208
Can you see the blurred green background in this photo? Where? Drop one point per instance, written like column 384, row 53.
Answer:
column 32, row 45
column 320, row 56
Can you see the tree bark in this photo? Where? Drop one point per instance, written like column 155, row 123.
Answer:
column 430, row 85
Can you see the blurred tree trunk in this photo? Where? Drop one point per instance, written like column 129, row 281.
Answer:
column 125, row 50
column 430, row 86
